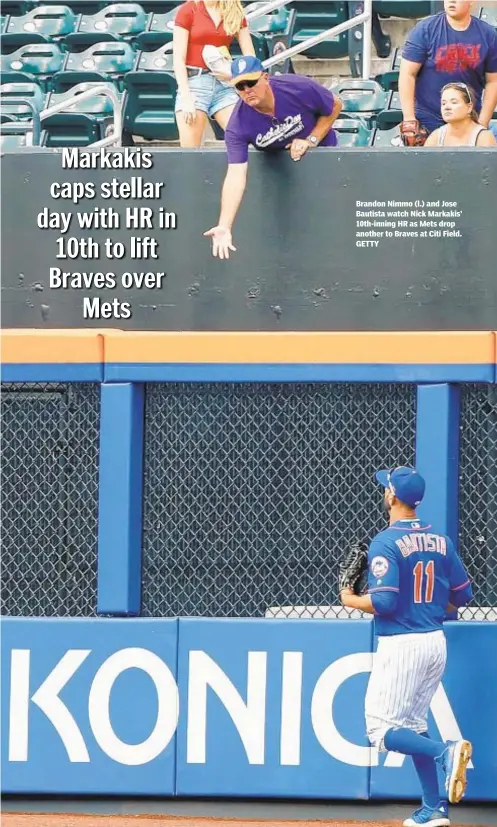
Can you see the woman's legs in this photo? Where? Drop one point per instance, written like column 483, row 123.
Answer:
column 222, row 116
column 190, row 135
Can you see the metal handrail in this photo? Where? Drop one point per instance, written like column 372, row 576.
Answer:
column 97, row 89
column 265, row 8
column 31, row 128
column 364, row 18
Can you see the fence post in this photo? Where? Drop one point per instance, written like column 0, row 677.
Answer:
column 120, row 499
column 437, row 455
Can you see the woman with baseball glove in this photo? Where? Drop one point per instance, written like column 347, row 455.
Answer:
column 461, row 127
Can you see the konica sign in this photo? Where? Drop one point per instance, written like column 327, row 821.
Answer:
column 220, row 708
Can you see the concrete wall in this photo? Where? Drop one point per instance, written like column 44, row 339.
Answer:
column 298, row 266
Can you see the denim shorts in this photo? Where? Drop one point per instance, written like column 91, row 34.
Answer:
column 210, row 95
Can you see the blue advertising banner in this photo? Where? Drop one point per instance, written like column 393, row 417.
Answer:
column 222, row 707
column 89, row 706
column 274, row 708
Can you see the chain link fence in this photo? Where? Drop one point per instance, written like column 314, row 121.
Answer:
column 252, row 491
column 478, row 497
column 50, row 437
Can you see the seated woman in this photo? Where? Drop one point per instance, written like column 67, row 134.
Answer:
column 201, row 23
column 461, row 120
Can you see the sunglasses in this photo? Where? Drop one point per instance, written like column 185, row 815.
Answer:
column 461, row 86
column 246, row 84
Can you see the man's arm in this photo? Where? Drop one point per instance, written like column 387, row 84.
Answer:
column 232, row 194
column 325, row 122
column 362, row 602
column 489, row 104
column 407, row 88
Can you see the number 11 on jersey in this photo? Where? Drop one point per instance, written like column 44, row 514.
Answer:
column 420, row 573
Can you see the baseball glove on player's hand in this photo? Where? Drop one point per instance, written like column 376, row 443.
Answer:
column 353, row 569
column 413, row 134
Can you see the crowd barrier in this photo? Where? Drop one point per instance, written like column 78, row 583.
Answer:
column 218, row 707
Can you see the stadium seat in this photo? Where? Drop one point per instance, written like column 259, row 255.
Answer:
column 15, row 7
column 403, row 8
column 313, row 17
column 260, row 46
column 35, row 62
column 27, row 91
column 488, row 13
column 352, row 132
column 70, row 129
column 148, row 107
column 108, row 61
column 4, row 21
column 387, row 138
column 364, row 96
column 159, row 32
column 394, row 101
column 77, row 6
column 119, row 21
column 389, row 80
column 388, row 118
column 41, row 25
column 12, row 142
column 397, row 57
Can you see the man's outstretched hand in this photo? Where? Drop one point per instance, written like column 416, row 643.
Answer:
column 222, row 241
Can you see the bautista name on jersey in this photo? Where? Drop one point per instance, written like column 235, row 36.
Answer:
column 414, row 575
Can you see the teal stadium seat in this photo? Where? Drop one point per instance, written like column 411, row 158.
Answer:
column 314, row 16
column 352, row 132
column 27, row 91
column 109, row 61
column 387, row 138
column 77, row 6
column 119, row 21
column 15, row 7
column 4, row 20
column 75, row 129
column 148, row 108
column 389, row 80
column 409, row 9
column 37, row 62
column 364, row 97
column 67, row 126
column 488, row 13
column 11, row 143
column 158, row 33
column 40, row 25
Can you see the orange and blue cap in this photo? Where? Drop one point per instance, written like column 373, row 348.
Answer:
column 246, row 67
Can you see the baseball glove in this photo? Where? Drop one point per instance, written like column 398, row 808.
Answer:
column 413, row 134
column 353, row 569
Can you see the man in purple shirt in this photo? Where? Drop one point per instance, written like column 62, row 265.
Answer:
column 452, row 46
column 281, row 112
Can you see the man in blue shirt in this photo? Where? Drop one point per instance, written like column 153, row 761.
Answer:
column 414, row 577
column 449, row 47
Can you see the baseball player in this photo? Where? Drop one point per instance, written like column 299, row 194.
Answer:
column 414, row 577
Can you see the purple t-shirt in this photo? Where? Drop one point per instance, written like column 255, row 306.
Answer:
column 299, row 102
column 447, row 56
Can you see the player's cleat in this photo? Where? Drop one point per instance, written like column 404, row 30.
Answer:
column 430, row 816
column 454, row 762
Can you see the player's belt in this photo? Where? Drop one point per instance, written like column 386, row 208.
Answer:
column 195, row 71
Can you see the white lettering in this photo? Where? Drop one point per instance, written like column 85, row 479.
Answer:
column 322, row 712
column 249, row 718
column 167, row 706
column 291, row 709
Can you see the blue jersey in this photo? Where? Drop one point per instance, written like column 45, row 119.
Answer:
column 448, row 55
column 413, row 575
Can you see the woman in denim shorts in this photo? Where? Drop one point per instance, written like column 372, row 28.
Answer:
column 202, row 95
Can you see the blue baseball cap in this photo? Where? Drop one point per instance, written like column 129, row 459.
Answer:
column 246, row 68
column 405, row 483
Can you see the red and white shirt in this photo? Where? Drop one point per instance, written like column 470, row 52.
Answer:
column 195, row 18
